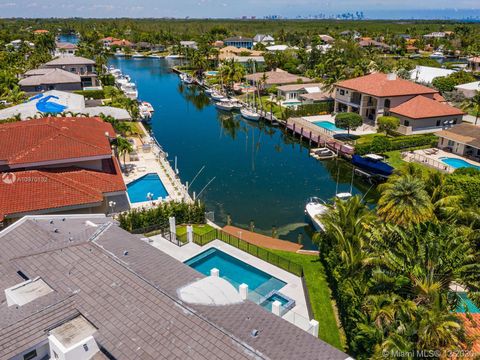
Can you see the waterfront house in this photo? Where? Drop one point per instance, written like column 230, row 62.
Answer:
column 308, row 93
column 435, row 35
column 276, row 77
column 263, row 39
column 462, row 139
column 121, row 43
column 80, row 287
column 40, row 32
column 64, row 49
column 107, row 41
column 379, row 94
column 17, row 44
column 411, row 49
column 469, row 90
column 239, row 42
column 189, row 44
column 58, row 165
column 426, row 74
column 474, row 63
column 39, row 80
column 81, row 66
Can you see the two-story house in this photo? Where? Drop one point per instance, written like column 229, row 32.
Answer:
column 81, row 66
column 379, row 94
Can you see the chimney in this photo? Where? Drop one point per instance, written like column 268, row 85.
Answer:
column 391, row 76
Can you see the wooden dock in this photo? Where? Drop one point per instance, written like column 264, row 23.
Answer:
column 317, row 135
column 262, row 240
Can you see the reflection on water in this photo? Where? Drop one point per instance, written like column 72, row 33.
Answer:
column 261, row 173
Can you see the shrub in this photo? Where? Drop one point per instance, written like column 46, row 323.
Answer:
column 380, row 144
column 348, row 121
column 92, row 94
column 397, row 143
column 465, row 181
column 388, row 123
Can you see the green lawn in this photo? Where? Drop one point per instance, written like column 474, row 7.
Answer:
column 319, row 293
column 197, row 229
column 395, row 160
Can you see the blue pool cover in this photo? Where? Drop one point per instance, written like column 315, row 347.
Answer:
column 138, row 189
column 235, row 271
column 45, row 106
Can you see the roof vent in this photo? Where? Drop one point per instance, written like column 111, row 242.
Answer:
column 254, row 333
column 56, row 230
column 22, row 275
column 27, row 291
column 391, row 76
column 51, row 221
column 125, row 253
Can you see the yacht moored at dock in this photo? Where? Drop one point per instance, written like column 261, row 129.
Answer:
column 315, row 208
column 249, row 114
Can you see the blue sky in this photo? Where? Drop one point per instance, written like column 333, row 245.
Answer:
column 236, row 8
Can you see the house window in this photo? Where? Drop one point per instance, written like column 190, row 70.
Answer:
column 386, row 103
column 454, row 121
column 406, row 123
column 72, row 69
column 30, row 355
column 342, row 92
column 438, row 122
column 450, row 143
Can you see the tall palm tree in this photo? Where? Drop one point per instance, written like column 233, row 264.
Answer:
column 123, row 147
column 404, row 201
column 473, row 105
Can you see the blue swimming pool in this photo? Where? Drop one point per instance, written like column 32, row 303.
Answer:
column 235, row 271
column 465, row 303
column 328, row 125
column 150, row 183
column 46, row 106
column 285, row 302
column 458, row 163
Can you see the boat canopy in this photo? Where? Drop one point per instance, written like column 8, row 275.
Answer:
column 375, row 167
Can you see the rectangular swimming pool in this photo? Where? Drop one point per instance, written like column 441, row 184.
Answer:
column 235, row 271
column 139, row 189
column 458, row 163
column 328, row 125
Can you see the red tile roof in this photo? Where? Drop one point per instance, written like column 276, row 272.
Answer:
column 38, row 190
column 472, row 329
column 421, row 107
column 50, row 139
column 377, row 84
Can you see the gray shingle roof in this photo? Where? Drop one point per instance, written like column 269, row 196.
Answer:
column 70, row 60
column 49, row 76
column 131, row 299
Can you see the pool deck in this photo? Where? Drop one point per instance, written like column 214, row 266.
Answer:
column 362, row 130
column 154, row 161
column 433, row 158
column 262, row 240
column 293, row 288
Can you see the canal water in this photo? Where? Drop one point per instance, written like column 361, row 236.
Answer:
column 259, row 172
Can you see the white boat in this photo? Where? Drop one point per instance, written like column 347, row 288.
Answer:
column 155, row 56
column 249, row 114
column 115, row 72
column 314, row 209
column 322, row 153
column 209, row 91
column 174, row 56
column 344, row 195
column 236, row 103
column 147, row 106
column 137, row 55
column 122, row 80
column 437, row 55
column 217, row 96
column 225, row 105
column 119, row 53
column 130, row 90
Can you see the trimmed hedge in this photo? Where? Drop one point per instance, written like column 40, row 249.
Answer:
column 397, row 143
column 91, row 94
column 184, row 213
column 310, row 109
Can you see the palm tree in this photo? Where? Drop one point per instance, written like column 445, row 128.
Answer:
column 123, row 147
column 404, row 201
column 271, row 102
column 473, row 105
